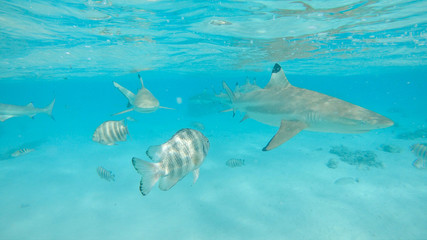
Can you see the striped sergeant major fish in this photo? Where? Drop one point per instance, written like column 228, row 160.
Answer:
column 21, row 152
column 105, row 174
column 420, row 150
column 9, row 111
column 110, row 132
column 173, row 160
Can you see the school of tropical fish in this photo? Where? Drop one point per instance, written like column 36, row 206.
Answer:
column 278, row 104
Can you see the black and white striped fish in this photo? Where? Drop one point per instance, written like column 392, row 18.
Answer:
column 21, row 152
column 110, row 132
column 173, row 160
column 420, row 150
column 234, row 162
column 105, row 174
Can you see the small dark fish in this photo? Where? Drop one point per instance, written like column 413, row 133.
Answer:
column 105, row 174
column 21, row 152
column 234, row 162
column 420, row 150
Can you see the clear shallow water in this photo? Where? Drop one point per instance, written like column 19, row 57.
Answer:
column 369, row 53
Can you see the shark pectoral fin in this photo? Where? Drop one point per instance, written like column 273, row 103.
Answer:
column 128, row 94
column 227, row 110
column 5, row 117
column 245, row 117
column 125, row 111
column 287, row 130
column 167, row 108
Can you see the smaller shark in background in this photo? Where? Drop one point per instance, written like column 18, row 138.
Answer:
column 295, row 109
column 143, row 101
column 9, row 111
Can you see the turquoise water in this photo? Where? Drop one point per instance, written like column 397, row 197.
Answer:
column 370, row 53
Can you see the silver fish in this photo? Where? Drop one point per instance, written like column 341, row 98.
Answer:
column 173, row 160
column 105, row 174
column 420, row 150
column 110, row 132
column 234, row 162
column 346, row 181
column 9, row 111
column 21, row 152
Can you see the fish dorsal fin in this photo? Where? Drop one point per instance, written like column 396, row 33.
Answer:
column 155, row 153
column 30, row 104
column 142, row 82
column 278, row 78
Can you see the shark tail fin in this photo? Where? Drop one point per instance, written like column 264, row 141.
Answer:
column 230, row 95
column 48, row 109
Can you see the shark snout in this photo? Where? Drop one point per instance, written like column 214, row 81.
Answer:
column 386, row 122
column 379, row 122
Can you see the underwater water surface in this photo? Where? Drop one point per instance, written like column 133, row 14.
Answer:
column 56, row 182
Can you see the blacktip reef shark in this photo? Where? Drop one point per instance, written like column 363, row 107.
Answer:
column 143, row 101
column 294, row 109
column 9, row 111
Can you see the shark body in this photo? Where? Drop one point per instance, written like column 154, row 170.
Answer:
column 295, row 109
column 9, row 111
column 143, row 101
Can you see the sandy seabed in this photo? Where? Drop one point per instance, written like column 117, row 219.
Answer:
column 286, row 193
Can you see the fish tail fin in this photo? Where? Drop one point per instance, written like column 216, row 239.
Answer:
column 125, row 123
column 150, row 174
column 48, row 109
column 230, row 95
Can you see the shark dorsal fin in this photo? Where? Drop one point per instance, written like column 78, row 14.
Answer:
column 140, row 79
column 278, row 78
column 30, row 104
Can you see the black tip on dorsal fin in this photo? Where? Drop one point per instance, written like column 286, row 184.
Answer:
column 140, row 79
column 276, row 68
